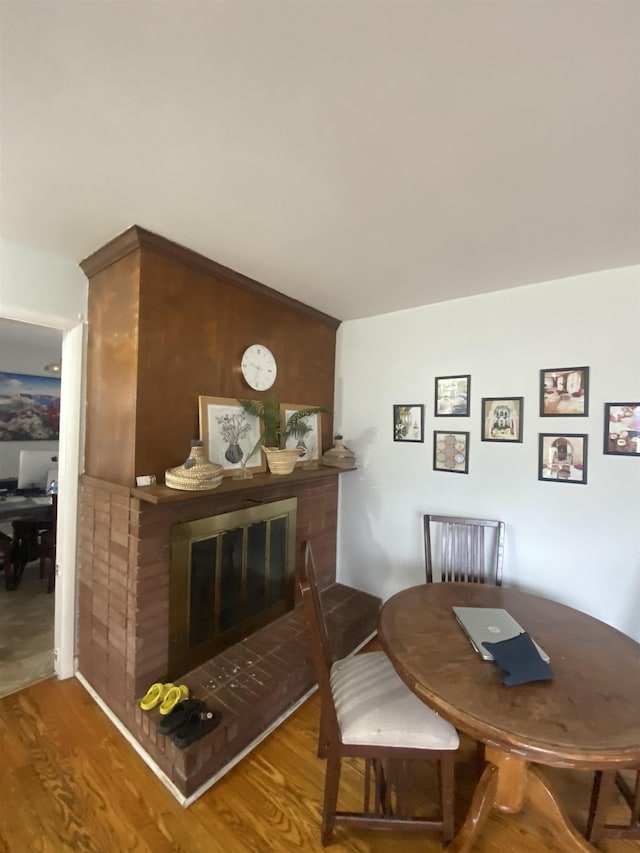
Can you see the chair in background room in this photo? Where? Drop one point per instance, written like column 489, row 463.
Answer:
column 602, row 798
column 47, row 547
column 463, row 549
column 367, row 712
column 5, row 551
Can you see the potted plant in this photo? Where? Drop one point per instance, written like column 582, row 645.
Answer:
column 273, row 439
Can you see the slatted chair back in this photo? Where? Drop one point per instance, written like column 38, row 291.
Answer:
column 463, row 549
column 320, row 646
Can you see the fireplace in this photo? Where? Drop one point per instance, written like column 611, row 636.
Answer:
column 138, row 352
column 230, row 575
column 125, row 612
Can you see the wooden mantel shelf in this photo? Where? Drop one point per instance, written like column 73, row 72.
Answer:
column 161, row 494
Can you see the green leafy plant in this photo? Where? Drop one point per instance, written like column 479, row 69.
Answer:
column 274, row 432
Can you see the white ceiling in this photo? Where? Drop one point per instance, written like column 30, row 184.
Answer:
column 28, row 335
column 362, row 157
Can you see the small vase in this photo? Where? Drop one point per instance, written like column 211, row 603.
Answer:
column 242, row 473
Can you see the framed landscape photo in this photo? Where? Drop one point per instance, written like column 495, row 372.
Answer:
column 502, row 418
column 622, row 429
column 229, row 435
column 562, row 458
column 408, row 422
column 564, row 392
column 308, row 444
column 29, row 407
column 452, row 396
column 451, row 452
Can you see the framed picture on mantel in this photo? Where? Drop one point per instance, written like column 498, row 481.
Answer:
column 309, row 439
column 229, row 434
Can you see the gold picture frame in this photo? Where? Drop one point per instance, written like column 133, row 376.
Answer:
column 229, row 434
column 311, row 443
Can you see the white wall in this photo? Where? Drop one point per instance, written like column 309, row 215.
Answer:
column 39, row 287
column 578, row 544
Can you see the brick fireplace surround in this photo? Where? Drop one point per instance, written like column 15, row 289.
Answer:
column 123, row 631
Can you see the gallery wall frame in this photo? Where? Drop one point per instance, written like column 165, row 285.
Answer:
column 408, row 422
column 29, row 407
column 622, row 429
column 502, row 419
column 451, row 451
column 564, row 392
column 562, row 457
column 452, row 396
column 229, row 434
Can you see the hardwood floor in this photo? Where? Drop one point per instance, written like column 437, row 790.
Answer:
column 71, row 782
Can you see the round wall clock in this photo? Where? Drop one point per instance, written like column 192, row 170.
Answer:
column 259, row 367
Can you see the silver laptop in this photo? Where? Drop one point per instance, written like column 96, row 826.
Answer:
column 490, row 625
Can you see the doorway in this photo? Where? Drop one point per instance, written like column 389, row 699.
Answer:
column 69, row 467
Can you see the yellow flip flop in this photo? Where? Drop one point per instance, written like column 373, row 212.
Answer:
column 173, row 696
column 155, row 695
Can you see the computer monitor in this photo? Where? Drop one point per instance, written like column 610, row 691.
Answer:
column 34, row 467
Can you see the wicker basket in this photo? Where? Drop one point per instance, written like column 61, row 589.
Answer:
column 282, row 461
column 339, row 456
column 196, row 473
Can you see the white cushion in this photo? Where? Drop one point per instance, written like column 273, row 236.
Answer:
column 375, row 707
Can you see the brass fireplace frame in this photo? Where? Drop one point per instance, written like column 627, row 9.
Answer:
column 184, row 655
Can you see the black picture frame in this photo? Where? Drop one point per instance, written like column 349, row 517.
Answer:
column 502, row 419
column 564, row 392
column 408, row 422
column 452, row 396
column 451, row 451
column 562, row 457
column 622, row 429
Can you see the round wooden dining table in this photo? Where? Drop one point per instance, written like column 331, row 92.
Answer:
column 587, row 716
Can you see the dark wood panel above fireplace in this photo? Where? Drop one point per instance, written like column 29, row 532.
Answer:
column 167, row 325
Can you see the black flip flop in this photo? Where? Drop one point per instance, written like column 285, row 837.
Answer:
column 199, row 723
column 179, row 715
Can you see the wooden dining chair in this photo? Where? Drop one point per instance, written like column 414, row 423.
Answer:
column 604, row 784
column 463, row 549
column 367, row 712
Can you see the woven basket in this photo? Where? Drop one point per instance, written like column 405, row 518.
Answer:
column 196, row 473
column 339, row 456
column 282, row 461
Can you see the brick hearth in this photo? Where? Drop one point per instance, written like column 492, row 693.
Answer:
column 123, row 630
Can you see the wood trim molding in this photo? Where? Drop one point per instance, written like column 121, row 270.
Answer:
column 136, row 237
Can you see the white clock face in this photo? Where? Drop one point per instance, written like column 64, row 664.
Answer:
column 259, row 367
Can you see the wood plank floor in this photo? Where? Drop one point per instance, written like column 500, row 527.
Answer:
column 70, row 781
